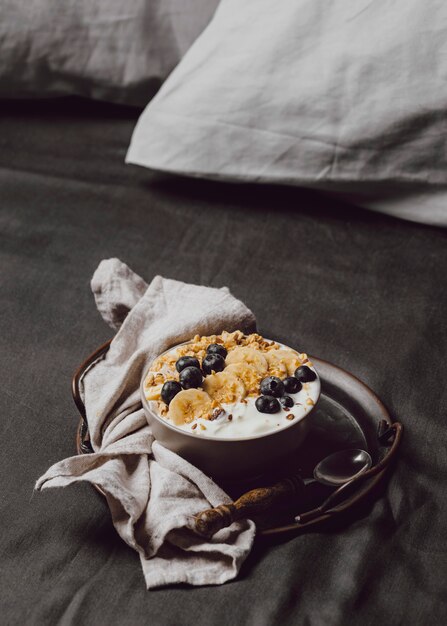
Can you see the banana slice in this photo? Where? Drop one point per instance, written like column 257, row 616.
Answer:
column 251, row 356
column 282, row 361
column 188, row 405
column 248, row 374
column 224, row 387
column 153, row 392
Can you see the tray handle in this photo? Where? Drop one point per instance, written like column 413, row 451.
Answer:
column 75, row 388
column 326, row 508
column 83, row 438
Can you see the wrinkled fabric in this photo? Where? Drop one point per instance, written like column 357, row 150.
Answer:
column 113, row 50
column 347, row 97
column 152, row 493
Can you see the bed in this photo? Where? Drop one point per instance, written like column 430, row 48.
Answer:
column 362, row 290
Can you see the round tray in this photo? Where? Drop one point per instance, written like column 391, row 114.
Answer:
column 348, row 415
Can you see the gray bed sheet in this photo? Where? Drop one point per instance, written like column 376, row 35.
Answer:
column 364, row 291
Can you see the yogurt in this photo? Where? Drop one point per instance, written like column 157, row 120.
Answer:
column 239, row 418
column 247, row 421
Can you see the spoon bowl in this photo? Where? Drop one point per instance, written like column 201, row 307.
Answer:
column 341, row 467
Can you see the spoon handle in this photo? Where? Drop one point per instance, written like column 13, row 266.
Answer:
column 251, row 504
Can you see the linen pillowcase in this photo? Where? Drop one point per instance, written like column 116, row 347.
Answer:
column 117, row 50
column 345, row 96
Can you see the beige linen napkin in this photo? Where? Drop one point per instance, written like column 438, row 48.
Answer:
column 152, row 492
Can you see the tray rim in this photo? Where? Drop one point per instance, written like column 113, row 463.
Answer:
column 370, row 479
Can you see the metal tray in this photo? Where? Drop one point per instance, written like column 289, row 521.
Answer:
column 348, row 415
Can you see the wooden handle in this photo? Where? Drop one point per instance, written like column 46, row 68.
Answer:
column 251, row 504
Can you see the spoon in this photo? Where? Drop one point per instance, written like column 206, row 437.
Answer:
column 336, row 469
column 340, row 467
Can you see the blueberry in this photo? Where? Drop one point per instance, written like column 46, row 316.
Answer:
column 191, row 378
column 186, row 361
column 267, row 404
column 169, row 390
column 272, row 386
column 292, row 385
column 216, row 348
column 213, row 363
column 286, row 402
column 305, row 374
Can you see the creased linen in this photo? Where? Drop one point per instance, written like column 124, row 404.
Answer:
column 116, row 51
column 152, row 493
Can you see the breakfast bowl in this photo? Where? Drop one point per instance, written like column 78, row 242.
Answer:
column 233, row 405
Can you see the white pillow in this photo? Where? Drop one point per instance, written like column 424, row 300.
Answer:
column 117, row 50
column 347, row 96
